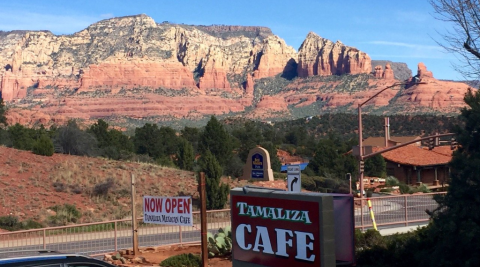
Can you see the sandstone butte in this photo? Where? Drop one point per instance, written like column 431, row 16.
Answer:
column 134, row 67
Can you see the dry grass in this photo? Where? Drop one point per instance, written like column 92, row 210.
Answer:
column 30, row 184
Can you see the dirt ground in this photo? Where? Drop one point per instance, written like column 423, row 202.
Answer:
column 154, row 256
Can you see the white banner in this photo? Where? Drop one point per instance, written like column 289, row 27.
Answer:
column 168, row 210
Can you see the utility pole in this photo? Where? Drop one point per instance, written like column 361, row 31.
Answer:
column 134, row 220
column 203, row 219
column 349, row 177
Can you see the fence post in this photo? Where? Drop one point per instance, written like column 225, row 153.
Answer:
column 203, row 219
column 406, row 210
column 134, row 220
column 116, row 244
column 44, row 239
column 361, row 211
column 180, row 233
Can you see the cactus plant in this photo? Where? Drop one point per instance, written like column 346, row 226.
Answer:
column 220, row 244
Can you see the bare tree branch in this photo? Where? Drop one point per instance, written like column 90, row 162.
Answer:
column 464, row 39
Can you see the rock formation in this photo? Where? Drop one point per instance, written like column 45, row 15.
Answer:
column 320, row 56
column 400, row 70
column 384, row 74
column 274, row 58
column 134, row 67
column 422, row 71
column 434, row 94
column 378, row 71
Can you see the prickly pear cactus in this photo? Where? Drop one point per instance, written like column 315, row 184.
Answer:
column 220, row 244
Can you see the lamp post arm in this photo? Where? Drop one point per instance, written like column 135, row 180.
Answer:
column 404, row 144
column 379, row 92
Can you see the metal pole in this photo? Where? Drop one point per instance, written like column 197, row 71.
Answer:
column 350, row 181
column 134, row 220
column 116, row 242
column 44, row 239
column 360, row 147
column 180, row 233
column 406, row 210
column 203, row 220
column 360, row 153
column 386, row 132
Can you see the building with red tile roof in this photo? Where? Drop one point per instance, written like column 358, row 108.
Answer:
column 415, row 165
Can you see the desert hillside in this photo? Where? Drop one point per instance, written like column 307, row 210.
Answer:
column 32, row 185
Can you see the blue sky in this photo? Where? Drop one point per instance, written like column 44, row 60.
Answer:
column 400, row 31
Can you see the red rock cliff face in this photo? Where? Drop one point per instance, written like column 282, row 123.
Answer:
column 319, row 56
column 136, row 74
column 274, row 58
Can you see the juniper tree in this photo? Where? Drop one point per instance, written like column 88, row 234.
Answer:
column 185, row 155
column 217, row 192
column 217, row 140
column 43, row 146
column 455, row 229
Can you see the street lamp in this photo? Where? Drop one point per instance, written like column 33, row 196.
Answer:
column 360, row 135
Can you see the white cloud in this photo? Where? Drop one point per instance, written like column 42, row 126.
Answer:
column 58, row 24
column 408, row 45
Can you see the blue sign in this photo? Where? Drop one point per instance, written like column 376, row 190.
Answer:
column 257, row 162
column 257, row 174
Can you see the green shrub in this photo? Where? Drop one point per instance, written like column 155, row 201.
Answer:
column 12, row 223
column 9, row 222
column 423, row 188
column 308, row 183
column 391, row 181
column 182, row 260
column 404, row 188
column 279, row 175
column 65, row 214
column 43, row 146
column 396, row 250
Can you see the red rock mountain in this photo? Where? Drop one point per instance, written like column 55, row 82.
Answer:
column 133, row 67
column 320, row 56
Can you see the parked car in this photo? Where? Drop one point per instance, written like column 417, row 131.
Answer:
column 48, row 258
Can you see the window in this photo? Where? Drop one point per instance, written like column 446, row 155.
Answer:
column 87, row 265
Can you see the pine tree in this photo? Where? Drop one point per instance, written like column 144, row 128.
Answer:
column 217, row 192
column 185, row 155
column 455, row 229
column 216, row 139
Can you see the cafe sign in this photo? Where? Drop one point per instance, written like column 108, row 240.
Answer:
column 281, row 229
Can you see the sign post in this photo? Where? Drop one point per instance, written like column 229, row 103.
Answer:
column 294, row 179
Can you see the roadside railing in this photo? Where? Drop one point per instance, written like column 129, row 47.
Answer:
column 395, row 211
column 103, row 237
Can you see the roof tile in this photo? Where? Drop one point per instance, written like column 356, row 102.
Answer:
column 417, row 156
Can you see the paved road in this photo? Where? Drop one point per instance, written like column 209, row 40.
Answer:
column 89, row 247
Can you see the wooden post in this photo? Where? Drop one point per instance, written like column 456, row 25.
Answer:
column 203, row 219
column 134, row 220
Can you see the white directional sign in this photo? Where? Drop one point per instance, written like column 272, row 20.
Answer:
column 294, row 181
